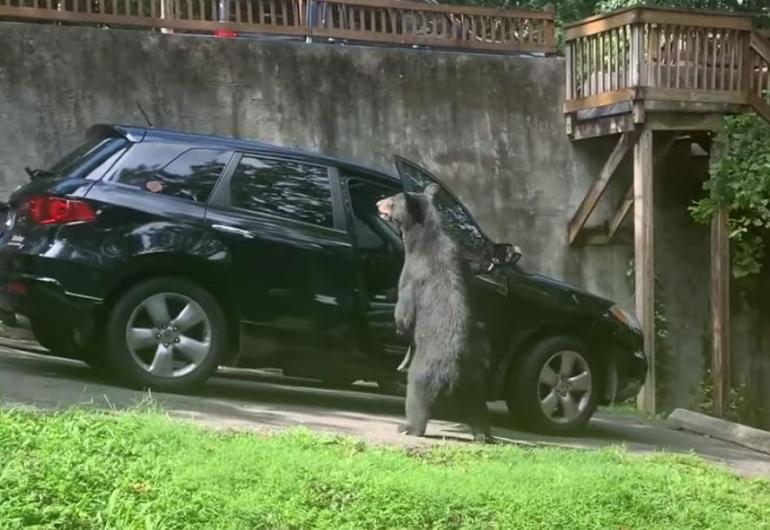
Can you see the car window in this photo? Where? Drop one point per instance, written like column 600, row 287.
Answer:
column 370, row 231
column 86, row 157
column 457, row 221
column 285, row 188
column 173, row 170
column 378, row 244
column 192, row 175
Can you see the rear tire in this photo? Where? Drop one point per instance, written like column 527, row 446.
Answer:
column 166, row 334
column 554, row 387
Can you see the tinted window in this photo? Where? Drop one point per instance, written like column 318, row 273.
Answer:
column 160, row 168
column 457, row 221
column 279, row 187
column 378, row 243
column 80, row 162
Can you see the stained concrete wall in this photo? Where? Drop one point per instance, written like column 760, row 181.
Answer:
column 490, row 126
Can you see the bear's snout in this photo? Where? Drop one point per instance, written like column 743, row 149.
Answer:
column 385, row 208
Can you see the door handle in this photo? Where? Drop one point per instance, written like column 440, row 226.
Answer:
column 233, row 230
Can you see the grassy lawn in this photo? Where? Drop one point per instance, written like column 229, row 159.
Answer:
column 80, row 469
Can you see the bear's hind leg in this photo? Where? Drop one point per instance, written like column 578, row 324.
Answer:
column 418, row 402
column 479, row 424
column 476, row 416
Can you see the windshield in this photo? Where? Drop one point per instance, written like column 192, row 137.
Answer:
column 81, row 161
column 457, row 221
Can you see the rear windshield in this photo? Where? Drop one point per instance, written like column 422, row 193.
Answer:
column 85, row 158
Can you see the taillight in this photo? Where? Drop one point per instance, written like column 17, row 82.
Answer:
column 48, row 210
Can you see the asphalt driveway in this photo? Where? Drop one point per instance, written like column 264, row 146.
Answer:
column 264, row 401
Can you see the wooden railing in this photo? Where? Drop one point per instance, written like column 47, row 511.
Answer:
column 435, row 25
column 759, row 91
column 383, row 21
column 655, row 53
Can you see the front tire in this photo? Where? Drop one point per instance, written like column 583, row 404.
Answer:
column 167, row 334
column 554, row 388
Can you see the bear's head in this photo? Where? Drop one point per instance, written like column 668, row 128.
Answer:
column 407, row 209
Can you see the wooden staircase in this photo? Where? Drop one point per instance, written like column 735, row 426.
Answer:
column 644, row 71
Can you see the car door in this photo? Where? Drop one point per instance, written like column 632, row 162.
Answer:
column 283, row 230
column 489, row 288
column 379, row 259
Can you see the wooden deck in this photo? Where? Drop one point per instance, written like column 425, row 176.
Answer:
column 672, row 69
column 644, row 71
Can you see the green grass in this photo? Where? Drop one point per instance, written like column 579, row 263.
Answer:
column 80, row 470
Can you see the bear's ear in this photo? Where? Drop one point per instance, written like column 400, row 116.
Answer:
column 431, row 190
column 414, row 208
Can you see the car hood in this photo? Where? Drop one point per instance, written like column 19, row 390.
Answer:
column 567, row 294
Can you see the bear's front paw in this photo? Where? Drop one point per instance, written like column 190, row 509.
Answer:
column 402, row 327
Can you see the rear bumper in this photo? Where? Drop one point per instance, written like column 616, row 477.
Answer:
column 43, row 298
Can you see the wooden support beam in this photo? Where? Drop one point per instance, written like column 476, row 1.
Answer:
column 628, row 200
column 683, row 122
column 692, row 107
column 604, row 126
column 644, row 266
column 621, row 213
column 759, row 106
column 720, row 311
column 599, row 186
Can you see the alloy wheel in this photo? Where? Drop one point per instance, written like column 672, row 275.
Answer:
column 169, row 335
column 564, row 387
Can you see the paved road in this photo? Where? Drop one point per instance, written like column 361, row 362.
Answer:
column 266, row 402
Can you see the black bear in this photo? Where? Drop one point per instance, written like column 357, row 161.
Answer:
column 445, row 365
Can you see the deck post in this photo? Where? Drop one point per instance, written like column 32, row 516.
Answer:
column 644, row 264
column 720, row 301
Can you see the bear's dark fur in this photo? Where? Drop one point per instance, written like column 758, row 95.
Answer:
column 445, row 366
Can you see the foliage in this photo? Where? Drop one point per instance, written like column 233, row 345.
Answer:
column 736, row 400
column 741, row 182
column 87, row 470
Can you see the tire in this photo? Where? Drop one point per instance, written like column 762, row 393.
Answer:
column 166, row 334
column 571, row 402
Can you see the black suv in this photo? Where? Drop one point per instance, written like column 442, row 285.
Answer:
column 159, row 255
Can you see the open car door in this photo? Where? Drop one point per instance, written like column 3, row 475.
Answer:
column 489, row 287
column 457, row 221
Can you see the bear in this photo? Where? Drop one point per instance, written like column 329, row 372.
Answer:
column 446, row 362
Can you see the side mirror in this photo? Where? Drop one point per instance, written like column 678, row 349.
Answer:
column 505, row 253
